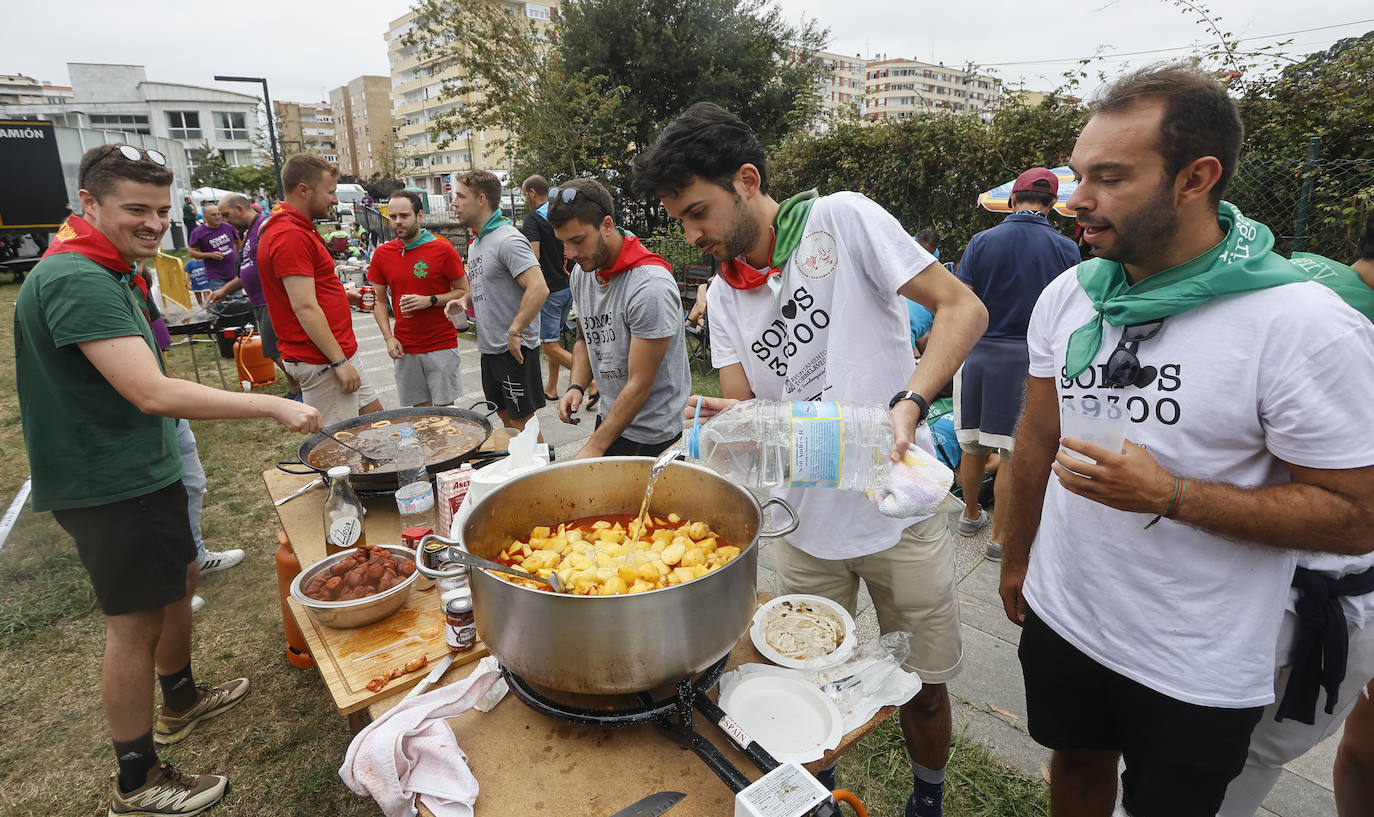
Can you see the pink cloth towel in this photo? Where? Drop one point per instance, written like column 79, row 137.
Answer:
column 412, row 751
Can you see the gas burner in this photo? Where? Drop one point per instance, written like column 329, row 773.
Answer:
column 620, row 711
column 673, row 716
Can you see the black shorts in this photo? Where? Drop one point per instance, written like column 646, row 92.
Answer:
column 135, row 551
column 1179, row 756
column 622, row 446
column 515, row 388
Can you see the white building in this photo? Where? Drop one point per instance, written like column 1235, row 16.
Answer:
column 121, row 98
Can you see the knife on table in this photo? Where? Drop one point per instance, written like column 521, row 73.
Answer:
column 433, row 677
column 653, row 805
column 306, row 487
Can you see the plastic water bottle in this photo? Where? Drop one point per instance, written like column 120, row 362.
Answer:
column 766, row 444
column 415, row 496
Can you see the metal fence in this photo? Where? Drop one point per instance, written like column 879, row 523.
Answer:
column 1312, row 204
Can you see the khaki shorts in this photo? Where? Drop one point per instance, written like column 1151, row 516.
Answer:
column 320, row 388
column 913, row 589
column 429, row 377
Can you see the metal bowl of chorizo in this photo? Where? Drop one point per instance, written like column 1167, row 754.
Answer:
column 356, row 587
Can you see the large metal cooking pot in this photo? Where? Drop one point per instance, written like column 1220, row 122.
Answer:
column 615, row 644
column 383, row 478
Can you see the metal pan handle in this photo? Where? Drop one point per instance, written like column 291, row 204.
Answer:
column 785, row 529
column 428, row 571
column 485, row 403
column 282, row 466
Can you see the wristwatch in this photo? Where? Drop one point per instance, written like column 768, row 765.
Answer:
column 434, row 300
column 915, row 398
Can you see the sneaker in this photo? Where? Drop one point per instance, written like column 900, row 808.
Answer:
column 994, row 551
column 196, row 602
column 220, row 560
column 172, row 727
column 967, row 527
column 924, row 805
column 167, row 791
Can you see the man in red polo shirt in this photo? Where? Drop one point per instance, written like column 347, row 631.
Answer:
column 305, row 299
column 421, row 272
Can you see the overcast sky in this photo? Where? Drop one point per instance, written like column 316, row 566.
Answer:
column 305, row 49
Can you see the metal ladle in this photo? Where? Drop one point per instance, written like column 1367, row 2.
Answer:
column 369, row 461
column 455, row 553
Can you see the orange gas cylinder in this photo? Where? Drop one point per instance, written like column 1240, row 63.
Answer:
column 287, row 567
column 252, row 366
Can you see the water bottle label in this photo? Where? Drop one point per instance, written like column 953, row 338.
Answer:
column 418, row 503
column 817, row 443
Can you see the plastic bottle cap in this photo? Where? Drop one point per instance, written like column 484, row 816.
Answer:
column 339, row 472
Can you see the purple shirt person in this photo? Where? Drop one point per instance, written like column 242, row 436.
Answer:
column 248, row 263
column 213, row 242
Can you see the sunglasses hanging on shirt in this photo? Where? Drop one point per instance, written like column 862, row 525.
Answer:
column 1123, row 367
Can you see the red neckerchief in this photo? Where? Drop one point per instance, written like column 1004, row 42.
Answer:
column 78, row 236
column 741, row 275
column 632, row 254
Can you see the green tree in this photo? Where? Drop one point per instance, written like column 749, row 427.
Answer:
column 208, row 168
column 928, row 170
column 581, row 96
column 252, row 180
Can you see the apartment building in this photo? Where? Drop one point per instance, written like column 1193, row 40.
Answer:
column 901, row 89
column 364, row 135
column 416, row 89
column 306, row 127
column 17, row 89
column 841, row 89
column 121, row 99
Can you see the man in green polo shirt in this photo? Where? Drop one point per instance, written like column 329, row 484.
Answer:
column 96, row 408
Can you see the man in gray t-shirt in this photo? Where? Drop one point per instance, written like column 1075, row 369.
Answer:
column 508, row 290
column 630, row 334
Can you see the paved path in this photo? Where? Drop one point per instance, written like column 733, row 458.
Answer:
column 990, row 703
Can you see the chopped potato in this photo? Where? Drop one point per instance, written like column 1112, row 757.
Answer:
column 601, row 557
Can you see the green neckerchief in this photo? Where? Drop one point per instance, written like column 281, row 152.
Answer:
column 1244, row 261
column 424, row 237
column 1342, row 280
column 495, row 221
column 788, row 226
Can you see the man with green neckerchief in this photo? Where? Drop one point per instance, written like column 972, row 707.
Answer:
column 809, row 304
column 1151, row 579
column 417, row 274
column 508, row 290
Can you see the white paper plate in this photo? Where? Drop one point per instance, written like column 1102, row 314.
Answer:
column 792, row 719
column 842, row 652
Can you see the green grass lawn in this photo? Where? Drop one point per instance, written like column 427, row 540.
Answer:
column 283, row 746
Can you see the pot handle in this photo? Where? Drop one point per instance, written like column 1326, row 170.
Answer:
column 282, row 466
column 485, row 404
column 785, row 529
column 428, row 571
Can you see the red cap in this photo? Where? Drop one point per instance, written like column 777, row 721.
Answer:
column 1037, row 179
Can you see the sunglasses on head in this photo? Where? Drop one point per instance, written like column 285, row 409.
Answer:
column 134, row 154
column 1123, row 367
column 569, row 194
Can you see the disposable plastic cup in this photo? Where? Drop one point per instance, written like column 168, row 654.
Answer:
column 1094, row 420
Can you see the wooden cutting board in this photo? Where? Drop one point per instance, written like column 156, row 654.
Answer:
column 349, row 659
